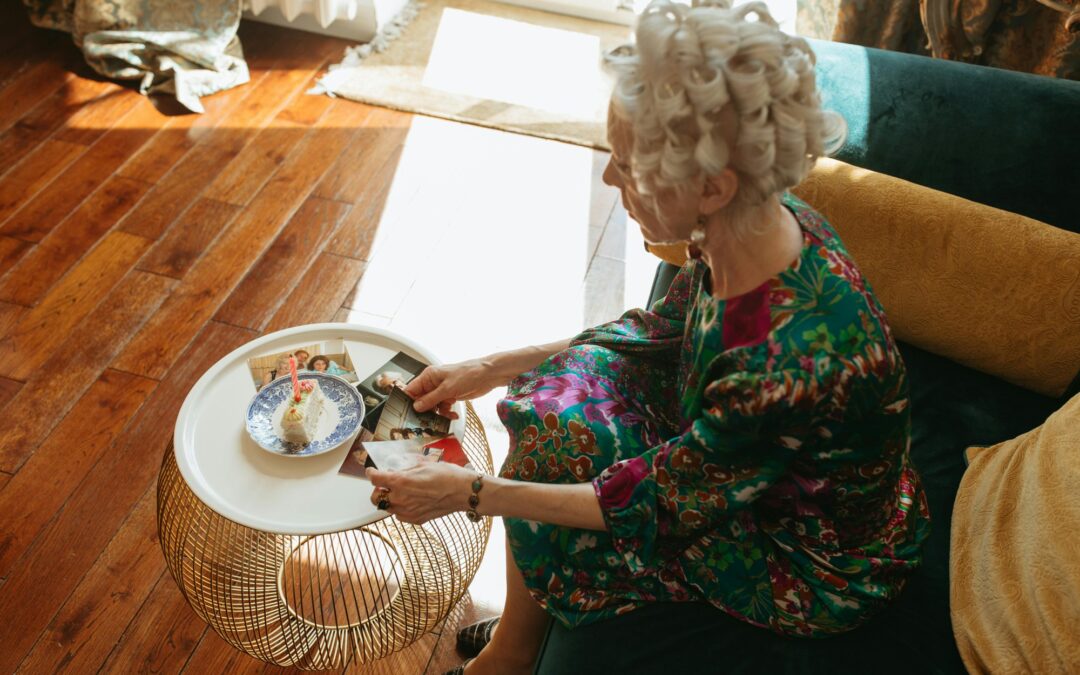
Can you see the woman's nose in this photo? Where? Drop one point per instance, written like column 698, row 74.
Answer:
column 609, row 174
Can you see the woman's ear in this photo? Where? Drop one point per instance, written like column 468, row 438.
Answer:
column 719, row 191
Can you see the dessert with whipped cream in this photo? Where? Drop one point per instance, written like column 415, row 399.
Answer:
column 301, row 416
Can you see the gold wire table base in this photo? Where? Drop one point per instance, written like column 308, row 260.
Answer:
column 320, row 602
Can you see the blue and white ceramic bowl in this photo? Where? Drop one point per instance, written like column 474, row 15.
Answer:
column 338, row 423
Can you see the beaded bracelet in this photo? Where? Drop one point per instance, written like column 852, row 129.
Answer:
column 474, row 499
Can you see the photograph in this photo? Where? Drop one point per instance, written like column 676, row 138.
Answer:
column 397, row 455
column 398, row 420
column 357, row 458
column 377, row 387
column 450, row 451
column 329, row 356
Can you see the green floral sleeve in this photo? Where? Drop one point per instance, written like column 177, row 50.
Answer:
column 659, row 329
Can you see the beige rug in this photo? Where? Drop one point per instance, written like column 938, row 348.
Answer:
column 491, row 64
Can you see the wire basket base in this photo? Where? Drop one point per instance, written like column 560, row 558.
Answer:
column 324, row 601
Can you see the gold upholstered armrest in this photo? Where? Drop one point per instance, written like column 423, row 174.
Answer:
column 989, row 289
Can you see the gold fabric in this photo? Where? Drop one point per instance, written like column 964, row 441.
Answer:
column 986, row 288
column 1015, row 581
column 1024, row 35
column 181, row 48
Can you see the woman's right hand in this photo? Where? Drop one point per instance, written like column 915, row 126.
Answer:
column 440, row 387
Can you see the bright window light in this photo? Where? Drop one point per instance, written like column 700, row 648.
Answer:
column 514, row 62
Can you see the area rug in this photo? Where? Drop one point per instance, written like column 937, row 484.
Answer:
column 491, row 64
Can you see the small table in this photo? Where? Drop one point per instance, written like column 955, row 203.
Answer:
column 286, row 558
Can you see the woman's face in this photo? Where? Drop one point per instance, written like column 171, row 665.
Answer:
column 319, row 365
column 670, row 216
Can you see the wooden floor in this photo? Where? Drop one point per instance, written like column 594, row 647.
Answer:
column 137, row 248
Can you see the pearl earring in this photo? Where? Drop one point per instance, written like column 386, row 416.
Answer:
column 697, row 238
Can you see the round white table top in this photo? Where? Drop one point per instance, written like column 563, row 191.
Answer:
column 250, row 486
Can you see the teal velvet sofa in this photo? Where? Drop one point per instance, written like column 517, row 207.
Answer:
column 995, row 137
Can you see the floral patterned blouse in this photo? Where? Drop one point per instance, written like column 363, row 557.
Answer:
column 749, row 452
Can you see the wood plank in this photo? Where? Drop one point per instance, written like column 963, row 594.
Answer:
column 605, row 290
column 34, row 220
column 87, row 626
column 602, row 202
column 47, row 117
column 92, row 119
column 10, row 316
column 160, row 637
column 11, row 251
column 383, row 136
column 8, row 389
column 180, row 133
column 243, row 177
column 213, row 153
column 20, row 52
column 255, row 299
column 47, row 325
column 5, row 478
column 614, row 240
column 216, row 274
column 357, row 234
column 35, row 172
column 175, row 253
column 327, row 286
column 30, row 87
column 444, row 655
column 24, row 44
column 68, row 548
column 214, row 655
column 45, row 482
column 69, row 241
column 181, row 186
column 78, row 359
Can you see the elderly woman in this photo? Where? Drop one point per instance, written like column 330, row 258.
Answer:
column 743, row 443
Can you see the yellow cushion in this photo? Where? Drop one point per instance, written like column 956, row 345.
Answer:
column 989, row 289
column 1015, row 558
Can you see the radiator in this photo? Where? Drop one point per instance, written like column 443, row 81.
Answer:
column 325, row 12
column 358, row 20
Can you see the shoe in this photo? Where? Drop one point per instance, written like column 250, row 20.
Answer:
column 474, row 637
column 459, row 670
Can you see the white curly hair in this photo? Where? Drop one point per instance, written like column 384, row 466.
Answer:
column 689, row 64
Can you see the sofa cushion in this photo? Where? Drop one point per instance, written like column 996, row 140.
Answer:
column 956, row 277
column 1016, row 581
column 992, row 136
column 990, row 289
column 952, row 407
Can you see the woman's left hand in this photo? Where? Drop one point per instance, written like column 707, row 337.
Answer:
column 430, row 489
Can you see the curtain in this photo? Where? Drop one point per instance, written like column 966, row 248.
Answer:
column 1034, row 36
column 180, row 48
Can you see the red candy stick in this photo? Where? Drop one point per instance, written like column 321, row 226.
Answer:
column 295, row 379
